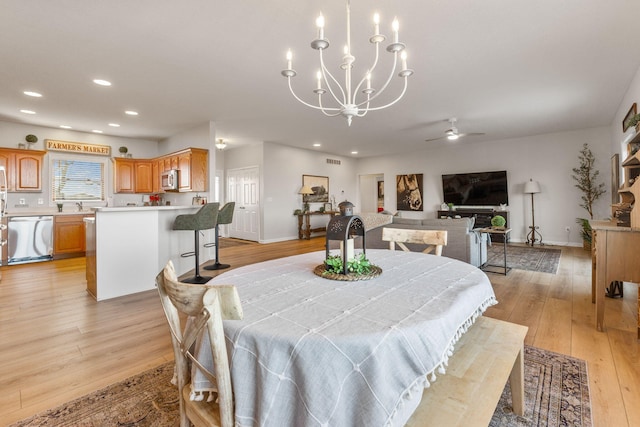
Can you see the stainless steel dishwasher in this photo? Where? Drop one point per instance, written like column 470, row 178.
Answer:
column 29, row 239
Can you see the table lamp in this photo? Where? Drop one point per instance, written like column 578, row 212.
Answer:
column 532, row 187
column 305, row 191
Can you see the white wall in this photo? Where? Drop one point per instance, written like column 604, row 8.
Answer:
column 545, row 158
column 617, row 136
column 281, row 169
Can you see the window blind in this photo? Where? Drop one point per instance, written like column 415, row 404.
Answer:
column 75, row 180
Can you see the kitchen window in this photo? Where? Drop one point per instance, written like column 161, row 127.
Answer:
column 77, row 180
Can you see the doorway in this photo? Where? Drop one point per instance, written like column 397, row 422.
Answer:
column 372, row 192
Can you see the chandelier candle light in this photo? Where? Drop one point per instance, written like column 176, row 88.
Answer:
column 346, row 99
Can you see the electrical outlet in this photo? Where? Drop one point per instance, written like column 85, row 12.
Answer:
column 40, row 201
column 22, row 201
column 567, row 229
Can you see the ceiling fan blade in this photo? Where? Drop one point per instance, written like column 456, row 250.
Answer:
column 435, row 139
column 460, row 135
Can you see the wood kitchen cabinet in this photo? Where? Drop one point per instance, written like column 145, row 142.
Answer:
column 68, row 235
column 24, row 169
column 133, row 175
column 124, row 175
column 192, row 164
column 143, row 175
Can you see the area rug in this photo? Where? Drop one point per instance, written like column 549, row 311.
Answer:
column 556, row 394
column 543, row 260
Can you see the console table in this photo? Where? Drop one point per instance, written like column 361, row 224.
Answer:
column 304, row 223
column 483, row 218
column 614, row 252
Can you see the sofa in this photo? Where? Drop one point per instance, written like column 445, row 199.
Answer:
column 463, row 243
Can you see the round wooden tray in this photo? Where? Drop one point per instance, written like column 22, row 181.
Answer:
column 321, row 271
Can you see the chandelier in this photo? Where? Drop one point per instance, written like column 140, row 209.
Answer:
column 346, row 97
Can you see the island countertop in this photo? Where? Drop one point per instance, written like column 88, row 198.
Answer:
column 133, row 243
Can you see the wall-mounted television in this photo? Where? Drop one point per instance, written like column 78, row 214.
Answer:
column 476, row 189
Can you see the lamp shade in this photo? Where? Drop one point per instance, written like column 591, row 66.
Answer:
column 305, row 190
column 531, row 187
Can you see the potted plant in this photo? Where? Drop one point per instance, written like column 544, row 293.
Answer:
column 498, row 222
column 31, row 139
column 586, row 177
column 123, row 151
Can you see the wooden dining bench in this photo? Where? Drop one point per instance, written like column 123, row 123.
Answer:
column 485, row 357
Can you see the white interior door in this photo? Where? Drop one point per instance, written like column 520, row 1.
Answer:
column 243, row 187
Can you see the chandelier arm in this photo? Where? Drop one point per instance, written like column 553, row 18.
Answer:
column 326, row 72
column 379, row 91
column 373, row 67
column 324, row 110
column 394, row 101
column 306, row 103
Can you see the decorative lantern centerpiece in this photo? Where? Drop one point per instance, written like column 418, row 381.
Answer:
column 345, row 228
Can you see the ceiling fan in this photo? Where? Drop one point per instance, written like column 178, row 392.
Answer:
column 452, row 133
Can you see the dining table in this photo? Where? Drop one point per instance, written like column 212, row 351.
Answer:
column 312, row 351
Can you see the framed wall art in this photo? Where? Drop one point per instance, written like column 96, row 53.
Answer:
column 632, row 112
column 320, row 187
column 409, row 192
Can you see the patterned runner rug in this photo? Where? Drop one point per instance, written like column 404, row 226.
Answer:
column 543, row 260
column 556, row 394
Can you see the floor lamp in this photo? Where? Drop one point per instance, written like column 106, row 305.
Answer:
column 532, row 187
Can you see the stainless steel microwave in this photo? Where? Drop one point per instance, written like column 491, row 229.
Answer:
column 170, row 180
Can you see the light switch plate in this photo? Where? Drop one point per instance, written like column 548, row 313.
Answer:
column 22, row 201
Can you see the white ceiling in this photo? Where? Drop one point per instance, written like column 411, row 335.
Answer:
column 507, row 68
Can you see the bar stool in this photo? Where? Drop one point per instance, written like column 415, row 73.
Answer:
column 225, row 216
column 205, row 219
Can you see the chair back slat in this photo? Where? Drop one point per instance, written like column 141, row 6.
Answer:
column 434, row 239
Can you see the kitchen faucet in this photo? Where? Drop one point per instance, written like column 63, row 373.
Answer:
column 79, row 204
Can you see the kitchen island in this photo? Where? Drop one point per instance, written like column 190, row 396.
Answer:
column 128, row 246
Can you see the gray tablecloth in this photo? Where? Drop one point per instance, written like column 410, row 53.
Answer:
column 318, row 352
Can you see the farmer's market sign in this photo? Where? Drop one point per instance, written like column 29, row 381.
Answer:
column 77, row 147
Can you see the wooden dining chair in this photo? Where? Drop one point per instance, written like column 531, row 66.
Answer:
column 434, row 239
column 204, row 306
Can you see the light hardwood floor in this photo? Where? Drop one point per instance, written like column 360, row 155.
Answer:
column 57, row 343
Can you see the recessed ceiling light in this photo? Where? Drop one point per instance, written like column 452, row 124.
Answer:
column 131, row 113
column 354, row 152
column 31, row 93
column 27, row 111
column 102, row 82
column 317, row 144
column 96, row 131
column 114, row 125
column 66, row 127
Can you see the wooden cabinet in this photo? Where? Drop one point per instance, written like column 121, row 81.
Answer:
column 24, row 169
column 626, row 212
column 193, row 166
column 133, row 176
column 143, row 175
column 124, row 175
column 68, row 235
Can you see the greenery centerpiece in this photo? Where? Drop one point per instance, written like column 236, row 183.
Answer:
column 586, row 177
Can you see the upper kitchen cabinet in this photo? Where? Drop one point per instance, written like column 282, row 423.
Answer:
column 192, row 165
column 24, row 169
column 124, row 175
column 133, row 175
column 143, row 175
